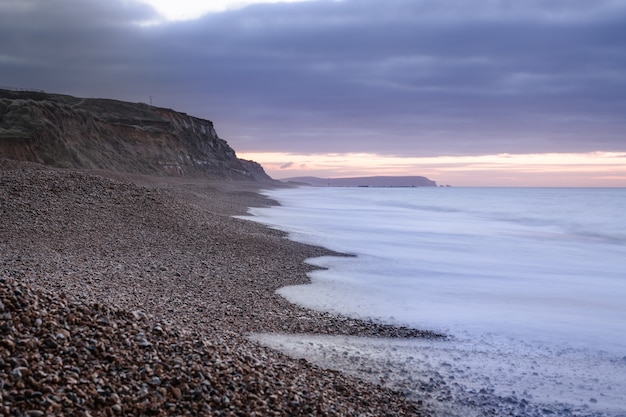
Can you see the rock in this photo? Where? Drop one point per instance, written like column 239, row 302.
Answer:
column 62, row 334
column 82, row 252
column 178, row 374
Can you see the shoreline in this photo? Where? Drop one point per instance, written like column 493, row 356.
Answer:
column 134, row 295
column 169, row 251
column 473, row 373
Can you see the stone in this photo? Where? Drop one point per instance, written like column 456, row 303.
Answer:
column 72, row 231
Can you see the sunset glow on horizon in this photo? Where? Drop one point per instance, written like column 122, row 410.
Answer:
column 596, row 169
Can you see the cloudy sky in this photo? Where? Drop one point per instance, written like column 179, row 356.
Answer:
column 466, row 92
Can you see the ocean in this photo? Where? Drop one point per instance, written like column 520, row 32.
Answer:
column 528, row 283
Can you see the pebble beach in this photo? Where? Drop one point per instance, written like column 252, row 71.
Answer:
column 133, row 295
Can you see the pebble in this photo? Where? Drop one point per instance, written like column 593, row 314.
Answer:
column 88, row 303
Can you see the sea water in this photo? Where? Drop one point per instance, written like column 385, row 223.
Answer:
column 528, row 283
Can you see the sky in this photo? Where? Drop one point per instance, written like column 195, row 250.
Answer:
column 465, row 92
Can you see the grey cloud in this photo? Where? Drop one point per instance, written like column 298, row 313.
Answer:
column 399, row 77
column 47, row 15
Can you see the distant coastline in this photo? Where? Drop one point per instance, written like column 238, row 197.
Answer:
column 375, row 181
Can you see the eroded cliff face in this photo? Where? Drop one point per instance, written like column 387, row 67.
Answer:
column 70, row 132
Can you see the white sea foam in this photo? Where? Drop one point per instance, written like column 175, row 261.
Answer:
column 522, row 279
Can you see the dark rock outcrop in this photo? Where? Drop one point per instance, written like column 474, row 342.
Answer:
column 70, row 132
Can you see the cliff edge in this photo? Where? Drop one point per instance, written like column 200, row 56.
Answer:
column 71, row 132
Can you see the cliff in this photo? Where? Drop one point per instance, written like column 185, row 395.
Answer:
column 70, row 132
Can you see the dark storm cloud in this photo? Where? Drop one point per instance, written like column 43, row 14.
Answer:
column 398, row 77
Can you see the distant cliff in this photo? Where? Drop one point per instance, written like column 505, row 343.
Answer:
column 71, row 132
column 379, row 181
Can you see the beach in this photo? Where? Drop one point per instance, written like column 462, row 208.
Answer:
column 153, row 271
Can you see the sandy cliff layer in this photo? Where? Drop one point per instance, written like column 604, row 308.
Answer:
column 70, row 132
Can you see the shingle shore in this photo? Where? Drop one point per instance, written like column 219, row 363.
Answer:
column 128, row 299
